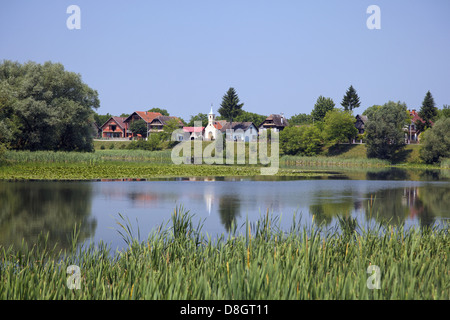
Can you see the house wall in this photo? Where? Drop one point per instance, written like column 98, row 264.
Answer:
column 108, row 130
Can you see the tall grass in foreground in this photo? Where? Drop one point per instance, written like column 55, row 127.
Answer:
column 178, row 261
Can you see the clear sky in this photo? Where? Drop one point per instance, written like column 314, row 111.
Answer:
column 280, row 56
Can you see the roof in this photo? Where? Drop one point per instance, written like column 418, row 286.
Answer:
column 415, row 116
column 362, row 118
column 164, row 119
column 237, row 125
column 145, row 115
column 193, row 129
column 277, row 120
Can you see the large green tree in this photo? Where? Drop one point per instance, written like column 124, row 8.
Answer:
column 435, row 142
column 301, row 119
column 230, row 106
column 45, row 107
column 385, row 130
column 322, row 106
column 350, row 100
column 339, row 126
column 139, row 127
column 428, row 112
column 305, row 140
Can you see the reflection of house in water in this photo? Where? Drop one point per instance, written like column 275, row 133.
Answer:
column 411, row 200
column 209, row 197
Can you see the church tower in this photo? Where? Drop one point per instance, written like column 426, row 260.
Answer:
column 211, row 117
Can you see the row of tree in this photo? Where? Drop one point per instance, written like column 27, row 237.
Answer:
column 384, row 131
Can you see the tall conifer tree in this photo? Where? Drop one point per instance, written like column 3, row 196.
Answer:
column 350, row 100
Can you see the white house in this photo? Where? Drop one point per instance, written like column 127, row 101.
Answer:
column 242, row 131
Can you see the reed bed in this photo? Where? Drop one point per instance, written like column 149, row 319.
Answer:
column 319, row 161
column 98, row 156
column 445, row 163
column 256, row 261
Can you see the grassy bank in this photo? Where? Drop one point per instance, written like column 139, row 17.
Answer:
column 259, row 262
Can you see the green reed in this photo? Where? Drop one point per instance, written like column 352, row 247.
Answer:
column 332, row 161
column 256, row 261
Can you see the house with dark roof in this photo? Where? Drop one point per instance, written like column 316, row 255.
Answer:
column 240, row 131
column 275, row 122
column 158, row 123
column 360, row 123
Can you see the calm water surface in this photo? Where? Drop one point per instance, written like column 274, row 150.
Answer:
column 28, row 208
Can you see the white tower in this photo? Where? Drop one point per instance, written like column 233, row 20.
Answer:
column 211, row 117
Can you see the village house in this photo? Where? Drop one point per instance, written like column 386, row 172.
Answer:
column 115, row 127
column 242, row 131
column 275, row 122
column 195, row 133
column 158, row 123
column 360, row 123
column 141, row 115
column 411, row 131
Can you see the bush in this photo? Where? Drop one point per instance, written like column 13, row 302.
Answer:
column 436, row 142
column 102, row 147
column 152, row 144
column 305, row 141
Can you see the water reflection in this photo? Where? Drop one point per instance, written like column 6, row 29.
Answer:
column 30, row 208
column 27, row 208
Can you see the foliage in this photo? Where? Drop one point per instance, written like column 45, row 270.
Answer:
column 230, row 106
column 200, row 117
column 385, row 135
column 153, row 143
column 428, row 112
column 371, row 110
column 304, row 140
column 300, row 119
column 339, row 126
column 164, row 112
column 100, row 119
column 444, row 112
column 322, row 106
column 246, row 116
column 350, row 100
column 435, row 142
column 139, row 127
column 46, row 107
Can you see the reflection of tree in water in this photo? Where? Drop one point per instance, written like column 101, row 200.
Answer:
column 422, row 203
column 326, row 208
column 387, row 205
column 29, row 208
column 435, row 201
column 229, row 210
column 390, row 174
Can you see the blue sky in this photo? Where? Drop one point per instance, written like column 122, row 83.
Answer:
column 280, row 56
